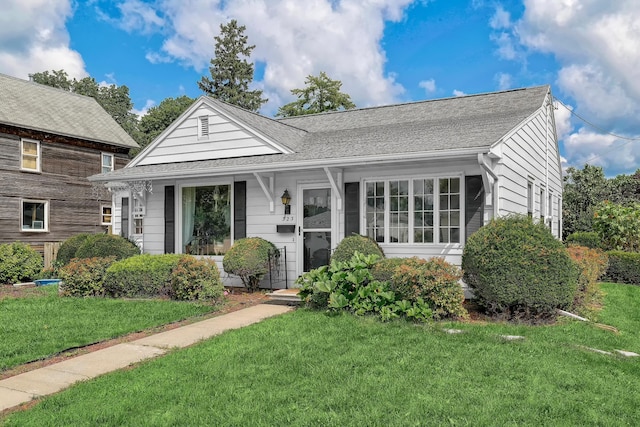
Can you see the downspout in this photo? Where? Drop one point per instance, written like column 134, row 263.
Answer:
column 482, row 161
column 546, row 155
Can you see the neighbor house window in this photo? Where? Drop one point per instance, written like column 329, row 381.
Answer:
column 30, row 155
column 414, row 211
column 203, row 127
column 106, row 215
column 206, row 219
column 35, row 215
column 138, row 216
column 530, row 199
column 107, row 162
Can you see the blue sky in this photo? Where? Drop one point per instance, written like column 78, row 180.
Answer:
column 384, row 51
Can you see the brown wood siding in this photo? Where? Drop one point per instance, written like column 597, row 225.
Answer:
column 74, row 202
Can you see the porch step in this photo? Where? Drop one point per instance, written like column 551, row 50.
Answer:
column 285, row 295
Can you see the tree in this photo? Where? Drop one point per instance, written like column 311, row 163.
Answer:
column 159, row 117
column 583, row 190
column 114, row 99
column 320, row 94
column 230, row 71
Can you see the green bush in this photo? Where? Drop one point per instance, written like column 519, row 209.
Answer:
column 351, row 286
column 618, row 226
column 141, row 276
column 518, row 269
column 592, row 264
column 19, row 262
column 624, row 267
column 434, row 281
column 196, row 279
column 68, row 248
column 84, row 277
column 249, row 259
column 107, row 245
column 384, row 269
column 356, row 243
column 588, row 239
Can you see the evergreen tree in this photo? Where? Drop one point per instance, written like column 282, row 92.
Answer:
column 320, row 94
column 230, row 71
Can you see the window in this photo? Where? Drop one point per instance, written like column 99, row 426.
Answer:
column 203, row 127
column 30, row 155
column 107, row 162
column 550, row 206
column 124, row 218
column 35, row 215
column 138, row 216
column 206, row 219
column 414, row 211
column 542, row 209
column 106, row 215
column 530, row 199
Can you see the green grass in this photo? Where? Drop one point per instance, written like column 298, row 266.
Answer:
column 44, row 324
column 310, row 369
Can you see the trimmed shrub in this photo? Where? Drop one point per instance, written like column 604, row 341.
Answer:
column 356, row 243
column 84, row 277
column 384, row 269
column 434, row 281
column 19, row 262
column 68, row 248
column 518, row 269
column 141, row 276
column 249, row 259
column 196, row 279
column 624, row 267
column 588, row 239
column 592, row 264
column 107, row 245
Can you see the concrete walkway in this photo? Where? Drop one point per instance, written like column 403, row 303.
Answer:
column 53, row 378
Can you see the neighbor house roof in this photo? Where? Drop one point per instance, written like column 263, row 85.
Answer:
column 38, row 107
column 434, row 128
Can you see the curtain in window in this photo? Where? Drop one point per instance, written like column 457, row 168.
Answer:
column 188, row 214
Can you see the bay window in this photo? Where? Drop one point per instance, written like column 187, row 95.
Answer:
column 420, row 210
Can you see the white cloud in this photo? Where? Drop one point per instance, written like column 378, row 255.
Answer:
column 143, row 111
column 457, row 92
column 33, row 38
column 428, row 85
column 505, row 81
column 501, row 19
column 293, row 39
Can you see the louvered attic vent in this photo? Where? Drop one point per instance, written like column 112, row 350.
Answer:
column 204, row 127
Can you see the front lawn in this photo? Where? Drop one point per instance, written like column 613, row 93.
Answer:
column 41, row 323
column 307, row 368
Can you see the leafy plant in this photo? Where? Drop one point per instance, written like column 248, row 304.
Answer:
column 84, row 277
column 618, row 226
column 518, row 269
column 250, row 259
column 196, row 279
column 19, row 262
column 68, row 248
column 141, row 275
column 624, row 267
column 589, row 239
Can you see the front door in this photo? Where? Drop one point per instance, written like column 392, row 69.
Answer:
column 315, row 231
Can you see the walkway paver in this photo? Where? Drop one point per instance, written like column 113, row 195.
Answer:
column 24, row 387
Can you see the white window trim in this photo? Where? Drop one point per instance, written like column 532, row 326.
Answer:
column 102, row 214
column 436, row 216
column 102, row 165
column 46, row 216
column 203, row 127
column 38, row 156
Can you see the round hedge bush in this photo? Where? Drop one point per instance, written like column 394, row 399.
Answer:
column 68, row 248
column 249, row 259
column 518, row 269
column 588, row 239
column 356, row 243
column 196, row 279
column 106, row 245
column 19, row 262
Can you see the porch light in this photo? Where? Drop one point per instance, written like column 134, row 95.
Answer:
column 286, row 199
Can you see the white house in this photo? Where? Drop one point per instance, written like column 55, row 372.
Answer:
column 418, row 177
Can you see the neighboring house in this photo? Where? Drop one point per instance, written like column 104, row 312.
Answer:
column 50, row 142
column 419, row 177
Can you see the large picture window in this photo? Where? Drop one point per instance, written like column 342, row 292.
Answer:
column 206, row 219
column 34, row 215
column 424, row 210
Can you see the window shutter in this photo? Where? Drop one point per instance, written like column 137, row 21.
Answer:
column 474, row 206
column 124, row 218
column 351, row 208
column 239, row 210
column 169, row 219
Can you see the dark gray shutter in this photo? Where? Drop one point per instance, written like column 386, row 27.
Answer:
column 239, row 210
column 124, row 218
column 169, row 219
column 474, row 206
column 351, row 208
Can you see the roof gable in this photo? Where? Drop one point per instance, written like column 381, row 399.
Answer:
column 210, row 129
column 38, row 107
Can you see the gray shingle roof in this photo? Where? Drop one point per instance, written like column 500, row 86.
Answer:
column 473, row 122
column 38, row 107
